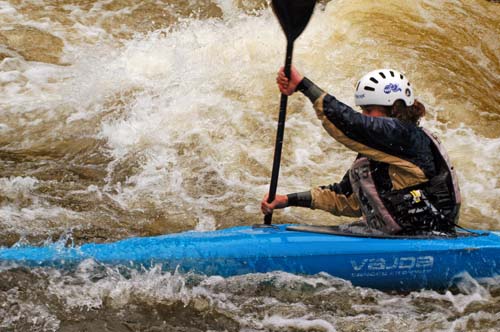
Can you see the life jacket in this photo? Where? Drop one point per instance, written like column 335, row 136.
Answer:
column 443, row 189
column 431, row 206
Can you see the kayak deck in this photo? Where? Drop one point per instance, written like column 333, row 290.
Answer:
column 384, row 263
column 357, row 230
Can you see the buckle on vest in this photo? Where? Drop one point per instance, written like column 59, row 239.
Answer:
column 417, row 195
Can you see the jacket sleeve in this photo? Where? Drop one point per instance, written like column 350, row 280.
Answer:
column 337, row 199
column 382, row 139
column 360, row 132
column 337, row 204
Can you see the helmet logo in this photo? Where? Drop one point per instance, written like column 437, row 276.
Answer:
column 391, row 88
column 361, row 96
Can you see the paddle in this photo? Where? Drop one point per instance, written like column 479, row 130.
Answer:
column 293, row 16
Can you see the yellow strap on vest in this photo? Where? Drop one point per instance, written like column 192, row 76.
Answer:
column 417, row 195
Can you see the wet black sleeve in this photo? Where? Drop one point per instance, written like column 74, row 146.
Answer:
column 381, row 133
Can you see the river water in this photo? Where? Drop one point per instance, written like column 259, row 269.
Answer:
column 124, row 118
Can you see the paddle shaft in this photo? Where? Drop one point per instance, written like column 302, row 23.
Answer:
column 279, row 135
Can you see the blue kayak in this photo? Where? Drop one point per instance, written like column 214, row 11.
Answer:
column 388, row 263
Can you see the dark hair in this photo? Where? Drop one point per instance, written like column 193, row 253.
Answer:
column 408, row 114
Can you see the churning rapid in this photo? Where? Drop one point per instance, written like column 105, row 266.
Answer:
column 127, row 118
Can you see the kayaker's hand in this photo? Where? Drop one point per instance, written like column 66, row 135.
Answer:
column 280, row 202
column 285, row 85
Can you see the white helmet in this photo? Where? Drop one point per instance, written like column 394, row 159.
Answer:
column 383, row 87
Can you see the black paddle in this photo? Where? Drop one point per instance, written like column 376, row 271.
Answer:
column 293, row 16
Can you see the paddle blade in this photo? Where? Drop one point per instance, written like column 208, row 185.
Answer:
column 293, row 16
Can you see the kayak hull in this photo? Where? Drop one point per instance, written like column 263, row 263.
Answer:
column 383, row 263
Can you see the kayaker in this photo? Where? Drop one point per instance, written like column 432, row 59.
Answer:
column 401, row 182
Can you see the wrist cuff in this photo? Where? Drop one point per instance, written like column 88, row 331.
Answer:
column 303, row 199
column 309, row 89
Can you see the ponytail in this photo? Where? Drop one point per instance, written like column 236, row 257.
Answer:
column 409, row 114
